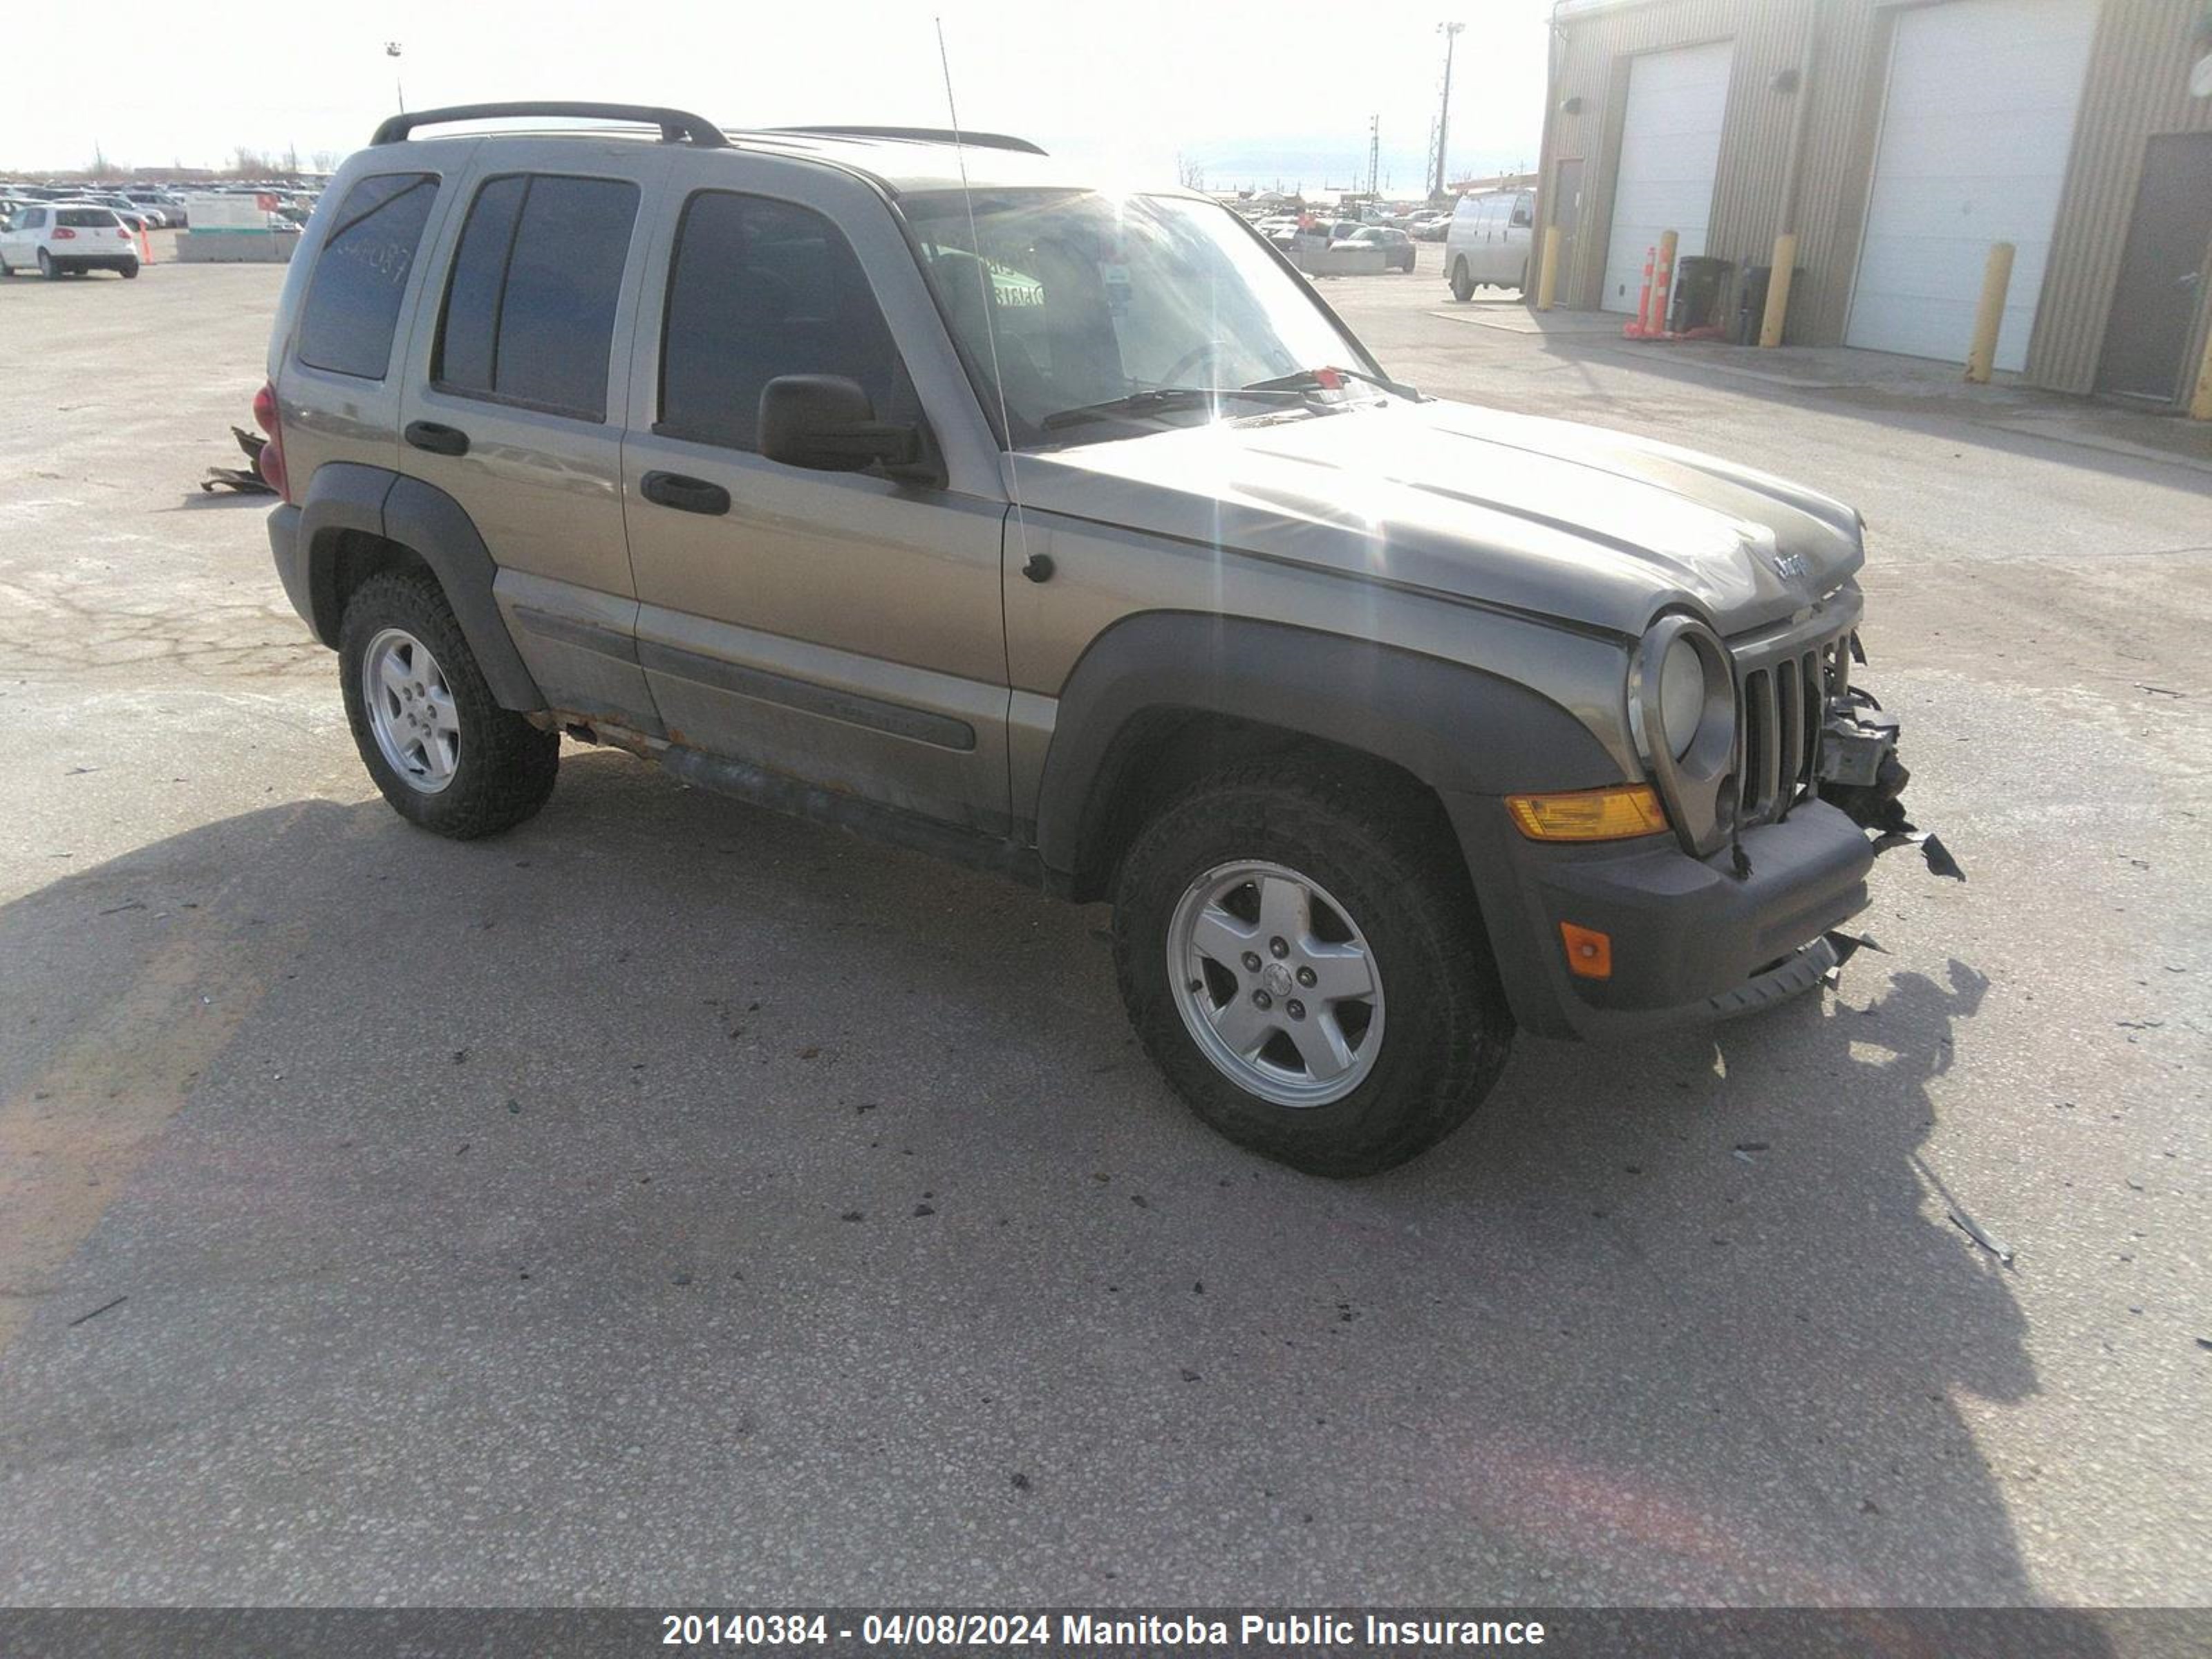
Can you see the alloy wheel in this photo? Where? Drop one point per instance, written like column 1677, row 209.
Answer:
column 411, row 710
column 1275, row 983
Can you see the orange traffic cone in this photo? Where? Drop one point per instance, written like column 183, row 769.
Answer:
column 145, row 245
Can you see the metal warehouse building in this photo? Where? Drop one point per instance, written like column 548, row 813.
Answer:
column 1899, row 140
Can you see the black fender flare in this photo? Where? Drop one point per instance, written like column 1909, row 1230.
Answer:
column 346, row 495
column 1459, row 730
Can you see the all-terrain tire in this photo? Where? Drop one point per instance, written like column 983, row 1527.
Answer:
column 1462, row 281
column 1382, row 851
column 505, row 766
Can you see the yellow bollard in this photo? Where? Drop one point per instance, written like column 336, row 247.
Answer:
column 1777, row 288
column 1988, row 317
column 1547, row 281
column 2200, row 406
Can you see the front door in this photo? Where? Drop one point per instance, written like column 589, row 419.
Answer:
column 843, row 628
column 2162, row 273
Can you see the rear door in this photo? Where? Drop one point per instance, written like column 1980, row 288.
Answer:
column 518, row 376
column 844, row 629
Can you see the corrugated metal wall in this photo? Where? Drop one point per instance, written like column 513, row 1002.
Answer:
column 2137, row 87
column 1594, row 67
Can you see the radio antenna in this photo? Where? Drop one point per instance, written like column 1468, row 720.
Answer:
column 990, row 307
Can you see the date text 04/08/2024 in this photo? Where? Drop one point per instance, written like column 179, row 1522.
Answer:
column 1082, row 1629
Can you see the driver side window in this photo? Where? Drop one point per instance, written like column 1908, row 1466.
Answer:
column 760, row 289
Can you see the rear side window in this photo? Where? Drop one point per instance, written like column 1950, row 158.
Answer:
column 352, row 306
column 530, row 307
column 760, row 289
column 86, row 219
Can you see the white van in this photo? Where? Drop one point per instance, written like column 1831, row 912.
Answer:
column 1490, row 241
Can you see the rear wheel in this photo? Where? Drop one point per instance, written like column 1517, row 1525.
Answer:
column 1301, row 956
column 1462, row 281
column 442, row 751
column 130, row 271
column 47, row 268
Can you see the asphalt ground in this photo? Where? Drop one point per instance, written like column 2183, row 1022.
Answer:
column 669, row 1201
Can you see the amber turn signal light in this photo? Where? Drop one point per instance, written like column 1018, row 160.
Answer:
column 1613, row 814
column 1589, row 953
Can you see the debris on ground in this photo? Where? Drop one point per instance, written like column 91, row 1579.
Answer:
column 1965, row 1222
column 246, row 480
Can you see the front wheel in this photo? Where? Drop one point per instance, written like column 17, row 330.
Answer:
column 442, row 751
column 1301, row 956
column 1462, row 281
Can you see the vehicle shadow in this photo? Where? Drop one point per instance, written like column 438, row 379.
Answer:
column 1764, row 1190
column 664, row 1142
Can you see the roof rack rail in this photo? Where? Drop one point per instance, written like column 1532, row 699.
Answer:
column 677, row 126
column 927, row 135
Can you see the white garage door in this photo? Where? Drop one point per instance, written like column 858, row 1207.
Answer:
column 1670, row 149
column 1974, row 137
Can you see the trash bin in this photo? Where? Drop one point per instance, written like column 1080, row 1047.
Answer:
column 1699, row 281
column 1750, row 304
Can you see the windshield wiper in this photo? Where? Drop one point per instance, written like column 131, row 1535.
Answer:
column 1310, row 379
column 1164, row 399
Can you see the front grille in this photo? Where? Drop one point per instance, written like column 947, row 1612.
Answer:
column 1782, row 687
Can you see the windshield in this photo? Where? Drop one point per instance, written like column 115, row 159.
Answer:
column 1093, row 299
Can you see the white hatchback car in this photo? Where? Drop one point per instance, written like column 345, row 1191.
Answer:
column 61, row 237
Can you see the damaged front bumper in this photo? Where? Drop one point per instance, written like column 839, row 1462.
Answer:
column 1860, row 773
column 1693, row 937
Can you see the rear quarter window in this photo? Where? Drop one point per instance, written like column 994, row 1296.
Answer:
column 353, row 301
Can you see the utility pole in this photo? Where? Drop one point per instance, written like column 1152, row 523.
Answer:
column 398, row 91
column 1450, row 33
column 1374, row 153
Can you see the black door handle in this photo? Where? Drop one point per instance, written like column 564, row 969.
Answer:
column 438, row 439
column 684, row 494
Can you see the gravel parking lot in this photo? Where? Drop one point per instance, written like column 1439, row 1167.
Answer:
column 672, row 1202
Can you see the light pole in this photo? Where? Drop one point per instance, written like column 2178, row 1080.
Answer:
column 391, row 50
column 1450, row 33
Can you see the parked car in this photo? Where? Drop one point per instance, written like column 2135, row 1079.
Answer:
column 1431, row 227
column 1389, row 724
column 166, row 213
column 1397, row 246
column 1489, row 242
column 61, row 239
column 135, row 217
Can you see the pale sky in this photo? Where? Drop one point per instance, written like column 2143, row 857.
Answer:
column 1249, row 91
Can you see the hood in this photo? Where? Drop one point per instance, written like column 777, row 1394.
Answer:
column 1567, row 521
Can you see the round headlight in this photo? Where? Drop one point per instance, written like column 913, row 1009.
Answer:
column 1682, row 694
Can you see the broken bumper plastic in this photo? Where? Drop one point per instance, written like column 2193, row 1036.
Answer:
column 1692, row 940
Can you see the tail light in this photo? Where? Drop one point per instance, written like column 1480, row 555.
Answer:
column 270, row 463
column 63, row 233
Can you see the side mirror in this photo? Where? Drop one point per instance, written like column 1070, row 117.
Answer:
column 825, row 422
